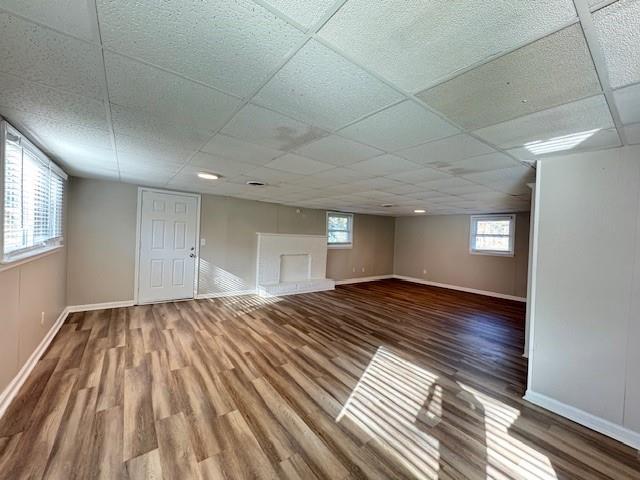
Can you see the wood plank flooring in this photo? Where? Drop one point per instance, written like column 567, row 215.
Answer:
column 378, row 380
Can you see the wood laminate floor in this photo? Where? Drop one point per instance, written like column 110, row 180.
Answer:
column 378, row 380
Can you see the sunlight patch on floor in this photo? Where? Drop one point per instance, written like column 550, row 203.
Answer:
column 404, row 408
column 386, row 403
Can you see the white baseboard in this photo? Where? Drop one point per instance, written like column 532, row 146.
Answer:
column 100, row 306
column 9, row 393
column 600, row 425
column 348, row 281
column 230, row 293
column 461, row 289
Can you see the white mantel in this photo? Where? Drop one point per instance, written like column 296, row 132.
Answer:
column 291, row 263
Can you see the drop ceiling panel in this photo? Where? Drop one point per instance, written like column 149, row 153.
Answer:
column 482, row 163
column 418, row 176
column 230, row 45
column 236, row 149
column 84, row 159
column 305, row 12
column 628, row 103
column 265, row 127
column 416, row 43
column 508, row 180
column 139, row 86
column 43, row 56
column 446, row 151
column 222, row 166
column 554, row 70
column 148, row 151
column 633, row 134
column 618, row 27
column 451, row 185
column 573, row 118
column 267, row 175
column 320, row 87
column 384, row 165
column 400, row 126
column 51, row 134
column 338, row 150
column 75, row 17
column 136, row 123
column 298, row 164
column 601, row 139
column 34, row 99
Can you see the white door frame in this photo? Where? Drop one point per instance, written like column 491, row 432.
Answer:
column 198, row 198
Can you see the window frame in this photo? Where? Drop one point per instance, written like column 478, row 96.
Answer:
column 473, row 224
column 50, row 244
column 337, row 245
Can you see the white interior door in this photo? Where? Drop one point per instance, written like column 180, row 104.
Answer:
column 168, row 250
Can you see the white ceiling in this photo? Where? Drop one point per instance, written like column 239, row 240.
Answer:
column 345, row 105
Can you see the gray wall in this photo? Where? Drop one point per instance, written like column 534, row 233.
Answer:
column 586, row 286
column 26, row 291
column 102, row 221
column 439, row 244
column 101, row 239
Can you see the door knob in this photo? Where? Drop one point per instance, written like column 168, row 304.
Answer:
column 192, row 255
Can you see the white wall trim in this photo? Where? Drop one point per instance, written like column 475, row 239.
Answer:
column 348, row 281
column 600, row 425
column 461, row 289
column 9, row 393
column 100, row 306
column 230, row 293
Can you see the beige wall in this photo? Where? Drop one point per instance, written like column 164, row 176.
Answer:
column 26, row 291
column 229, row 227
column 101, row 241
column 439, row 244
column 586, row 287
column 102, row 220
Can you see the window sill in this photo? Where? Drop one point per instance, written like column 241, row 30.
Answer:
column 492, row 253
column 29, row 257
column 340, row 247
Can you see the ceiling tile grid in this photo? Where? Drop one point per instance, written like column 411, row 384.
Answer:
column 577, row 117
column 44, row 56
column 75, row 17
column 618, row 27
column 252, row 90
column 551, row 71
column 414, row 44
column 233, row 46
column 311, row 88
column 138, row 86
column 400, row 126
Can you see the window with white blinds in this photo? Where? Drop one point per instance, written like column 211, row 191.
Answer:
column 33, row 193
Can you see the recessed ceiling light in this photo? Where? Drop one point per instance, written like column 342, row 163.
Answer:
column 419, row 210
column 208, row 176
column 387, row 205
column 255, row 183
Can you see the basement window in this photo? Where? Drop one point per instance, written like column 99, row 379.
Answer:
column 492, row 234
column 33, row 190
column 339, row 230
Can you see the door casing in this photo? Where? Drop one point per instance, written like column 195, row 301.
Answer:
column 198, row 198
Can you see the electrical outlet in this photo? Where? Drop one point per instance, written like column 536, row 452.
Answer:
column 42, row 318
column 203, row 242
column 424, row 272
column 353, row 269
column 362, row 269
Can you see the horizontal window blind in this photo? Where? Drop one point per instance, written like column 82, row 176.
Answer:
column 34, row 190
